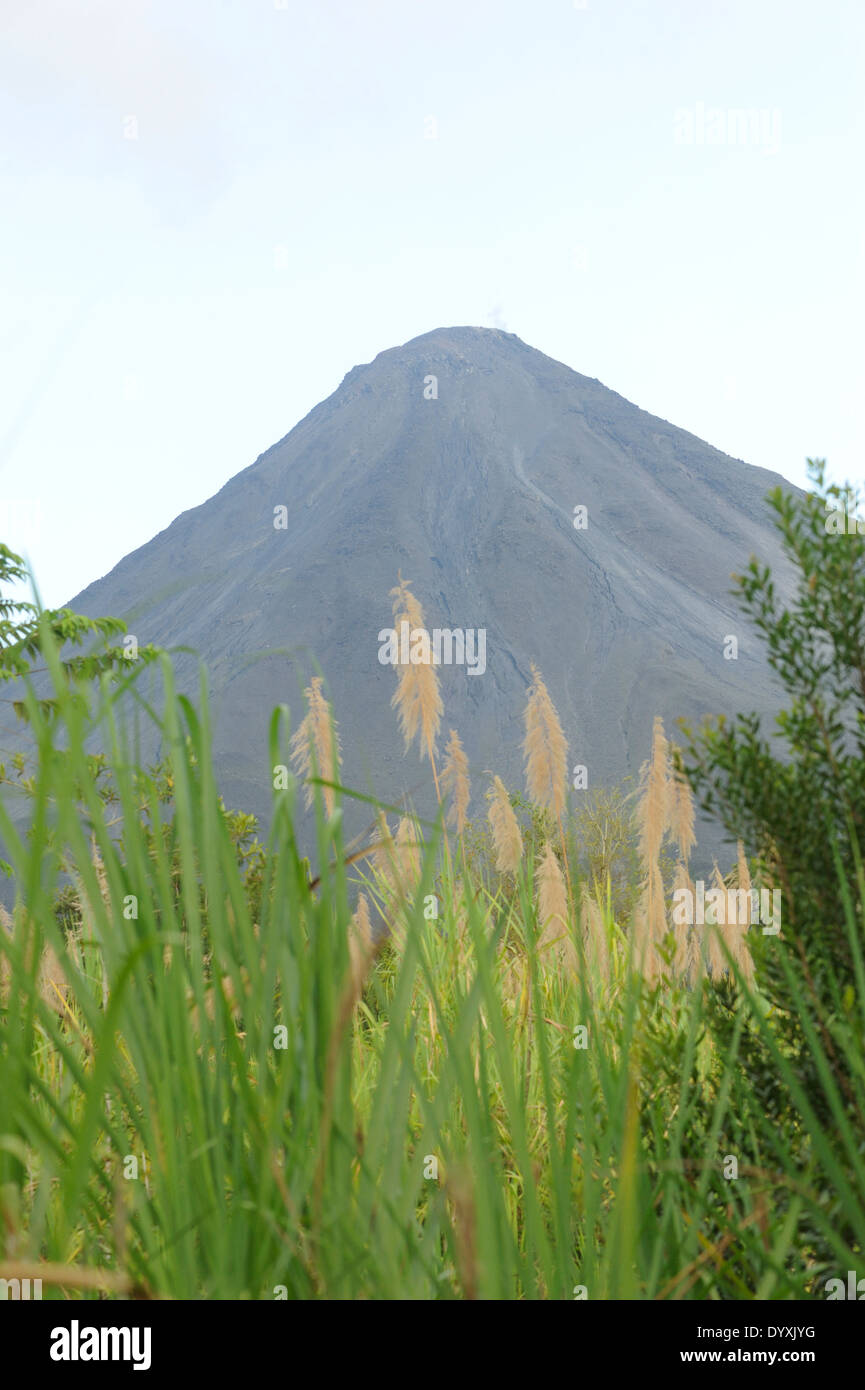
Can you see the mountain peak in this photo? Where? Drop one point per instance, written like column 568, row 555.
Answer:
column 464, row 458
column 469, row 349
column 461, row 339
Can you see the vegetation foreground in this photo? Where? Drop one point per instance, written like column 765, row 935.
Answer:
column 464, row 1059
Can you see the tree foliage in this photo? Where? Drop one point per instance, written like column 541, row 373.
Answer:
column 23, row 625
column 796, row 796
column 797, row 799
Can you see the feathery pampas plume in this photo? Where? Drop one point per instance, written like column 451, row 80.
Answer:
column 744, row 882
column 595, row 934
column 462, row 936
column 733, row 931
column 716, row 931
column 398, row 861
column 746, row 962
column 742, row 870
column 653, row 814
column 653, row 807
column 315, row 744
column 553, row 910
column 416, row 699
column 645, row 957
column 655, row 906
column 681, row 814
column 409, row 847
column 52, row 983
column 545, row 749
column 361, row 944
column 684, row 932
column 507, row 840
column 381, row 849
column 738, row 916
column 396, row 858
column 455, row 781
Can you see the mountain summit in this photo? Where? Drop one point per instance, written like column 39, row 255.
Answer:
column 522, row 501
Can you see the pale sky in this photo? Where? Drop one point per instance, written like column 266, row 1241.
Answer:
column 211, row 210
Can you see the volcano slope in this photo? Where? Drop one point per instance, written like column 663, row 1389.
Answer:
column 462, row 460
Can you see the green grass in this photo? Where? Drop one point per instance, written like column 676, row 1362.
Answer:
column 284, row 1130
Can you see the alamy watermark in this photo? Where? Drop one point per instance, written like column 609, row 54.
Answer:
column 21, row 514
column 20, row 1289
column 736, row 906
column 854, row 1288
column 442, row 646
column 728, row 125
column 76, row 1343
column 842, row 519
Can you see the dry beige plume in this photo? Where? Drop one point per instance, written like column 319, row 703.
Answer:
column 735, row 929
column 653, row 819
column 455, row 781
column 381, row 854
column 507, row 840
column 417, row 699
column 314, row 746
column 684, row 932
column 399, row 862
column 553, row 910
column 545, row 749
column 459, row 908
column 51, row 981
column 594, row 931
column 53, row 984
column 744, row 883
column 742, row 870
column 409, row 849
column 361, row 945
column 656, row 907
column 653, row 806
column 732, row 930
column 514, row 977
column 681, row 815
column 645, row 955
column 716, row 932
column 381, row 848
column 746, row 963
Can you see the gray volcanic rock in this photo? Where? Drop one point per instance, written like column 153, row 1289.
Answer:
column 472, row 496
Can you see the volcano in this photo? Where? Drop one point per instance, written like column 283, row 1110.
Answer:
column 522, row 501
